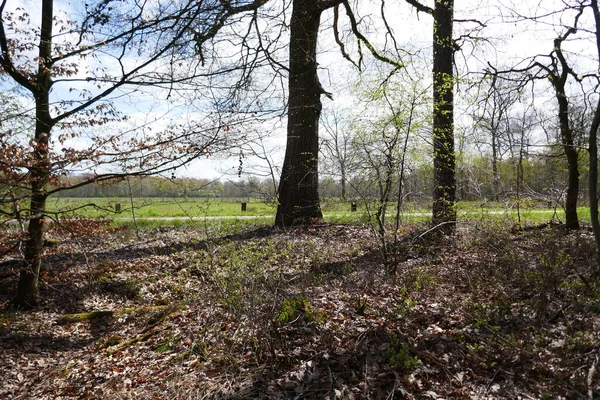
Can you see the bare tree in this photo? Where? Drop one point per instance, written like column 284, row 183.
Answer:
column 136, row 45
column 492, row 114
column 556, row 69
column 337, row 148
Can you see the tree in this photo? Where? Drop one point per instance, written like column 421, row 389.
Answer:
column 298, row 187
column 444, row 157
column 558, row 70
column 492, row 115
column 298, row 190
column 387, row 127
column 337, row 148
column 131, row 45
column 593, row 144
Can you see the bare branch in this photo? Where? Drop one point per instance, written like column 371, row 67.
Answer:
column 420, row 7
column 365, row 41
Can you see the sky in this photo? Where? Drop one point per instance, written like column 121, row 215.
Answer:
column 505, row 40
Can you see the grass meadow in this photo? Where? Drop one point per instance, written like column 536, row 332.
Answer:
column 152, row 212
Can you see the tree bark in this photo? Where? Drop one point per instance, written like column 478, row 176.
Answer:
column 298, row 187
column 444, row 158
column 27, row 289
column 495, row 173
column 566, row 134
column 593, row 149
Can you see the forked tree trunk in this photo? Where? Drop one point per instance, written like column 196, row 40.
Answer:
column 444, row 158
column 568, row 142
column 298, row 187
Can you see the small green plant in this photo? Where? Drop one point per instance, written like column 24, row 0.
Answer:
column 361, row 306
column 294, row 309
column 403, row 305
column 418, row 278
column 400, row 357
column 239, row 274
column 167, row 344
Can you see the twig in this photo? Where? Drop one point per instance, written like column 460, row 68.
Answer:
column 590, row 378
column 432, row 229
column 332, row 380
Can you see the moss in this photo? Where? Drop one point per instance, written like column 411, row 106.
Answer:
column 88, row 316
column 295, row 309
column 112, row 340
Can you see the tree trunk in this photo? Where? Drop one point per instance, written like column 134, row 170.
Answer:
column 566, row 133
column 27, row 290
column 593, row 143
column 298, row 187
column 444, row 158
column 593, row 179
column 495, row 173
column 343, row 181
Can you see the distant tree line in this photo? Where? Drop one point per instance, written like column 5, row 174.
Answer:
column 153, row 186
column 543, row 180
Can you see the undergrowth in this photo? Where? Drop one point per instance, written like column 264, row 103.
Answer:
column 312, row 312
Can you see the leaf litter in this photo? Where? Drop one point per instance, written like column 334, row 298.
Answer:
column 308, row 312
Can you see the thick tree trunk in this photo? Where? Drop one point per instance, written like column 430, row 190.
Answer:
column 298, row 187
column 444, row 159
column 27, row 290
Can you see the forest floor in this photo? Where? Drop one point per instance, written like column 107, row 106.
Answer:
column 310, row 312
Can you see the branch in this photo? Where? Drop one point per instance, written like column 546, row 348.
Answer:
column 363, row 39
column 336, row 35
column 420, row 7
column 326, row 4
column 481, row 24
column 5, row 60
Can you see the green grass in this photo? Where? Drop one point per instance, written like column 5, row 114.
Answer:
column 190, row 211
column 158, row 207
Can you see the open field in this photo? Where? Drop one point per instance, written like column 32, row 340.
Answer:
column 158, row 207
column 170, row 210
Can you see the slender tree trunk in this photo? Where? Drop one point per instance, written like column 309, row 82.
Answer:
column 496, row 175
column 343, row 181
column 444, row 158
column 571, row 219
column 593, row 148
column 27, row 290
column 298, row 187
column 593, row 177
